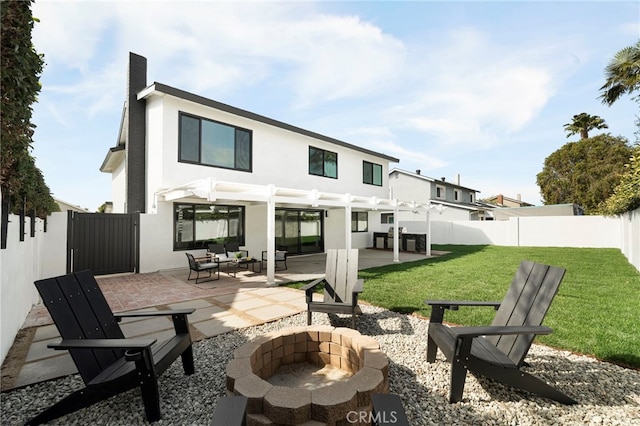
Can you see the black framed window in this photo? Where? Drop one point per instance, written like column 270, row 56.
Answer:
column 213, row 143
column 386, row 217
column 323, row 163
column 197, row 225
column 359, row 221
column 371, row 173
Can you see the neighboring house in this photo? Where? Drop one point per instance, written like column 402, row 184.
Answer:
column 213, row 172
column 502, row 201
column 64, row 206
column 449, row 200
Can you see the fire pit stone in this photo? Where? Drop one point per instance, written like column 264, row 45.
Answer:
column 364, row 367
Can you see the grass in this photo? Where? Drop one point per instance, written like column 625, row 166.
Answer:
column 596, row 311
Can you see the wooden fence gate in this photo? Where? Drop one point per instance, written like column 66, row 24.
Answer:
column 103, row 243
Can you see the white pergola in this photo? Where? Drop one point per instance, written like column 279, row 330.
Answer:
column 213, row 190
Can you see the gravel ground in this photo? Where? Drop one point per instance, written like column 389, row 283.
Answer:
column 607, row 394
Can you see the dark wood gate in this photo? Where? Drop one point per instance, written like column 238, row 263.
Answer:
column 103, row 243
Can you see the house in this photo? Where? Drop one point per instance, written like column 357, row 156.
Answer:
column 502, row 201
column 212, row 172
column 65, row 206
column 449, row 200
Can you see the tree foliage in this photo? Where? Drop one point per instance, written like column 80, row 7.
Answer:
column 626, row 196
column 21, row 67
column 584, row 172
column 623, row 74
column 583, row 123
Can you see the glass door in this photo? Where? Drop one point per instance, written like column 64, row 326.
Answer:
column 300, row 231
column 310, row 231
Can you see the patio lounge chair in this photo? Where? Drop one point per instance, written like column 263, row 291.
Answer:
column 498, row 351
column 202, row 264
column 108, row 362
column 280, row 258
column 233, row 250
column 341, row 286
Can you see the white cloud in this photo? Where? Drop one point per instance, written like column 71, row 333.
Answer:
column 475, row 92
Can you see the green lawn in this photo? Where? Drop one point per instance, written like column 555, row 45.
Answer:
column 596, row 311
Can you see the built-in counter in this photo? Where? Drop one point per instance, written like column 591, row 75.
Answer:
column 408, row 242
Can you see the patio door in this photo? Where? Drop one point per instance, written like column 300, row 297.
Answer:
column 301, row 231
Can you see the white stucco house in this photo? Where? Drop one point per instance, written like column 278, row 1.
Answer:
column 450, row 200
column 213, row 172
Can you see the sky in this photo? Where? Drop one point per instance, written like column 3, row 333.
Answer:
column 479, row 89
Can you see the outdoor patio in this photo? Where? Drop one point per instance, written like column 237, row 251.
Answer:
column 232, row 311
column 221, row 305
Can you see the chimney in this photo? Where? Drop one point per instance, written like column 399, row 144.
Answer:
column 519, row 197
column 418, row 171
column 136, row 135
column 458, row 179
column 499, row 200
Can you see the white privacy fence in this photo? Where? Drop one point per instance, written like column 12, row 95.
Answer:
column 44, row 255
column 24, row 262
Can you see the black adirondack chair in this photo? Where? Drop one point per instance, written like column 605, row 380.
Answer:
column 498, row 351
column 230, row 411
column 341, row 286
column 108, row 362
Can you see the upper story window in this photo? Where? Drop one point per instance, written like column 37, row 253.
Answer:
column 371, row 173
column 472, row 198
column 212, row 143
column 323, row 163
column 456, row 195
column 440, row 191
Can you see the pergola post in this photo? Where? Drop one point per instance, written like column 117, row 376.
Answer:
column 396, row 239
column 271, row 238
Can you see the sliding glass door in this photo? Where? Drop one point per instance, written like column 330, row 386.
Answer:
column 301, row 231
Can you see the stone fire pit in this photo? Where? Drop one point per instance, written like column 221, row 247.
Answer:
column 359, row 357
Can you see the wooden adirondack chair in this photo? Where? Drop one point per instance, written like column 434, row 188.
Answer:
column 498, row 351
column 341, row 286
column 108, row 362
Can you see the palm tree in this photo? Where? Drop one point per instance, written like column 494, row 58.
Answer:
column 583, row 123
column 623, row 74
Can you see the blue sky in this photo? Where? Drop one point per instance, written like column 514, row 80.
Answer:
column 480, row 89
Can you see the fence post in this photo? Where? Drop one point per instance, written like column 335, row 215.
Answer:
column 4, row 221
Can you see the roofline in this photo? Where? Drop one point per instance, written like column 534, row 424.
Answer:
column 109, row 156
column 172, row 91
column 430, row 179
column 465, row 206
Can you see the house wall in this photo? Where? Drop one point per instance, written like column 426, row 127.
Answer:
column 156, row 240
column 118, row 185
column 279, row 157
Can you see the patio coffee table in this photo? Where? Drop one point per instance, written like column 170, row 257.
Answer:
column 237, row 263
